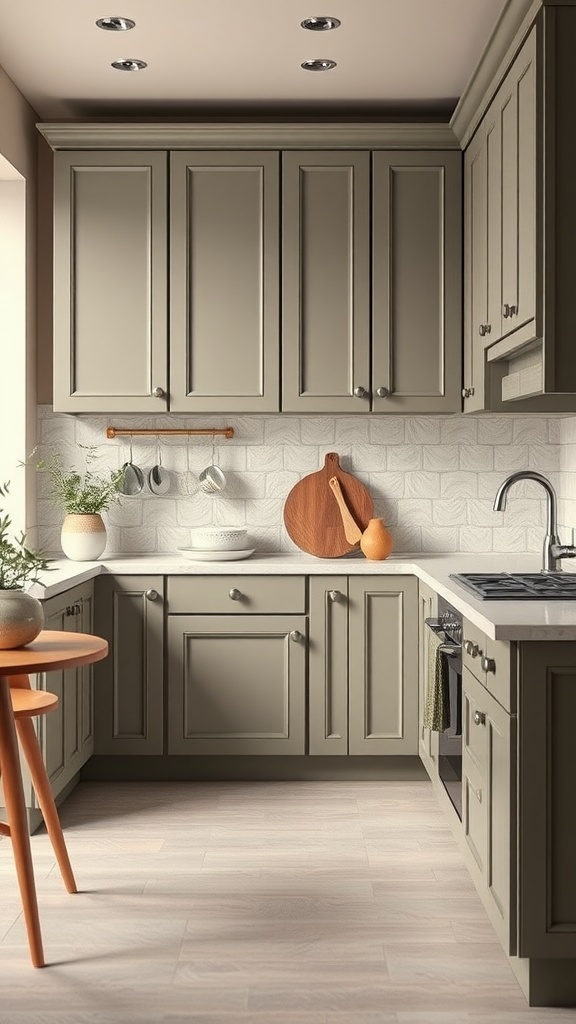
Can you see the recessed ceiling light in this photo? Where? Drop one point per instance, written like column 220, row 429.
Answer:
column 320, row 24
column 116, row 24
column 318, row 65
column 129, row 64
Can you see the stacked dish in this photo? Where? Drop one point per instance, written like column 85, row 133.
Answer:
column 217, row 544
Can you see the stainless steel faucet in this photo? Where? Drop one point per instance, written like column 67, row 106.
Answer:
column 553, row 550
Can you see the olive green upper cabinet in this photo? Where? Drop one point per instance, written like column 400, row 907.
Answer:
column 519, row 229
column 224, row 292
column 110, row 282
column 326, row 281
column 416, row 282
column 371, row 281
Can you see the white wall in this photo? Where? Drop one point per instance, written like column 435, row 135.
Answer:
column 13, row 418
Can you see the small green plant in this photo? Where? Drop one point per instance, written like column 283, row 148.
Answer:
column 82, row 492
column 19, row 564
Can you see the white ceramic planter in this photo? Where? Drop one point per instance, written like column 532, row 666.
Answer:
column 21, row 619
column 83, row 536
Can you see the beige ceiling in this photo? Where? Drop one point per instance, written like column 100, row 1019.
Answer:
column 406, row 56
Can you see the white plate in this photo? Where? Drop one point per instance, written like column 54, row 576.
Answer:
column 199, row 555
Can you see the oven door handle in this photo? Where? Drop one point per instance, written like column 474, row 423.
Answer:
column 450, row 650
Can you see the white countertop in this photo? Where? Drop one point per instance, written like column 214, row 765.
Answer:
column 501, row 620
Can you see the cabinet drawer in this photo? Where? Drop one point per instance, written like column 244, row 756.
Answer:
column 255, row 595
column 490, row 661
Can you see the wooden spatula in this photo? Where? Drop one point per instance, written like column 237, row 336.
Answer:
column 352, row 531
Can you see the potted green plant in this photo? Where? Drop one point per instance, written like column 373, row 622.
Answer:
column 21, row 615
column 83, row 495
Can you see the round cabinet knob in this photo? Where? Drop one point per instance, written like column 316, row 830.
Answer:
column 467, row 392
column 479, row 718
column 234, row 594
column 334, row 595
column 296, row 635
column 471, row 648
column 487, row 664
column 151, row 595
column 360, row 392
column 159, row 393
column 382, row 392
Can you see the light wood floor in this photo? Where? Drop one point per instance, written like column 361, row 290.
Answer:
column 257, row 903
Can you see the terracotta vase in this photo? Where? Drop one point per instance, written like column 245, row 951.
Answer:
column 83, row 536
column 376, row 542
column 21, row 619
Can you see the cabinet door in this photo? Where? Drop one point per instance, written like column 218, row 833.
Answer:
column 383, row 665
column 482, row 257
column 224, row 308
column 236, row 685
column 417, row 282
column 64, row 735
column 326, row 281
column 129, row 684
column 488, row 818
column 517, row 104
column 547, row 823
column 427, row 739
column 328, row 665
column 110, row 282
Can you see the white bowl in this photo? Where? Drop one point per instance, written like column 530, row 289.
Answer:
column 219, row 538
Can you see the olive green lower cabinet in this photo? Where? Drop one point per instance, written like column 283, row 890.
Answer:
column 363, row 665
column 129, row 705
column 488, row 806
column 66, row 735
column 237, row 674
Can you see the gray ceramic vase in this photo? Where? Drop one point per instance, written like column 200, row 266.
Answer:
column 21, row 619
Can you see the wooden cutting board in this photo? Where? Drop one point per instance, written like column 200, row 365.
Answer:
column 311, row 512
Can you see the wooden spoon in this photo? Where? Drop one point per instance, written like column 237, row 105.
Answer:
column 352, row 531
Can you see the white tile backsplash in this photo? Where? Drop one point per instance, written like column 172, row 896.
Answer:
column 433, row 479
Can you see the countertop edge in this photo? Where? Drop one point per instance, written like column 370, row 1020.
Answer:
column 510, row 621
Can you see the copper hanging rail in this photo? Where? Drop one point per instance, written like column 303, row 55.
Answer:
column 182, row 431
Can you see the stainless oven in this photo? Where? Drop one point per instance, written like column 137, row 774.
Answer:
column 449, row 623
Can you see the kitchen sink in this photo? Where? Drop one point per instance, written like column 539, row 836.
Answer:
column 518, row 586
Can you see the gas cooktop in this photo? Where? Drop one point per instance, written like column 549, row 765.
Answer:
column 518, row 586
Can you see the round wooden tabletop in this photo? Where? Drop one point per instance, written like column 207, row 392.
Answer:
column 53, row 649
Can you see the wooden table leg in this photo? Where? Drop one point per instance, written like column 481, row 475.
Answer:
column 18, row 822
column 29, row 743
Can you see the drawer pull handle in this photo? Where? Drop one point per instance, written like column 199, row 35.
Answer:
column 334, row 595
column 151, row 595
column 479, row 718
column 471, row 648
column 234, row 594
column 488, row 664
column 296, row 635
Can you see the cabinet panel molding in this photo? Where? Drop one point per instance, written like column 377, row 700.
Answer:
column 326, row 280
column 110, row 228
column 236, row 685
column 383, row 666
column 130, row 682
column 224, row 308
column 416, row 291
column 328, row 665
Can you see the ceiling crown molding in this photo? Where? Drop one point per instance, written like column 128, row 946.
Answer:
column 499, row 52
column 414, row 135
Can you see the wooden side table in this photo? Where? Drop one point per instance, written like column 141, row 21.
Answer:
column 52, row 649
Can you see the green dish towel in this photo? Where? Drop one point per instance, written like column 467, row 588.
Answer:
column 437, row 706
